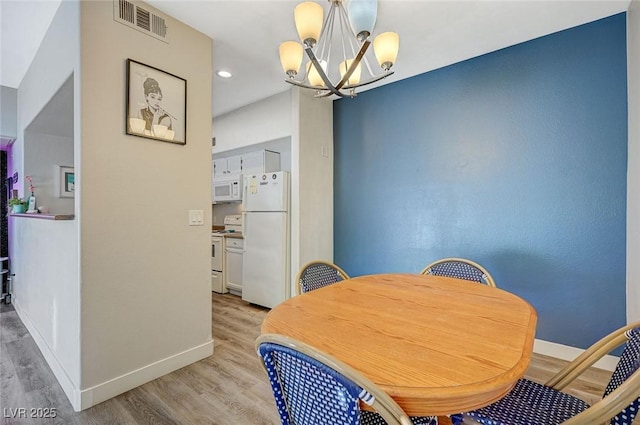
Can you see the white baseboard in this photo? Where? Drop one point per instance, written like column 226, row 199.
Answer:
column 565, row 352
column 106, row 390
column 70, row 389
column 83, row 399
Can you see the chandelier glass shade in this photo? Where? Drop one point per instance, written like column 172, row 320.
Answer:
column 346, row 30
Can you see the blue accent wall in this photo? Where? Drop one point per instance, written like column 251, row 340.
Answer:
column 516, row 159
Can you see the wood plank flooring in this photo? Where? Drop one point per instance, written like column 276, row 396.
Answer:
column 228, row 388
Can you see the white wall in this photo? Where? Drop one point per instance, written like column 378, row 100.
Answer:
column 146, row 277
column 42, row 153
column 268, row 119
column 633, row 166
column 56, row 60
column 312, row 192
column 121, row 294
column 221, row 210
column 45, row 254
column 8, row 112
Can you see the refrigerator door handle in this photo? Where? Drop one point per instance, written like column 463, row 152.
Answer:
column 244, row 224
column 244, row 188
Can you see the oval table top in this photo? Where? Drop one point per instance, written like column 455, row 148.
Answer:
column 437, row 345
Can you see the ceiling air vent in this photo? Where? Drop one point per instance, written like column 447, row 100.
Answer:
column 137, row 17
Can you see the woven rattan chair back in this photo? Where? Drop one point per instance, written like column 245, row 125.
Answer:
column 628, row 365
column 313, row 388
column 460, row 268
column 317, row 274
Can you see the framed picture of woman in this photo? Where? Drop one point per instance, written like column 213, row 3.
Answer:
column 156, row 104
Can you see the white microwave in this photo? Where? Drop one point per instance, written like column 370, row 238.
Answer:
column 227, row 189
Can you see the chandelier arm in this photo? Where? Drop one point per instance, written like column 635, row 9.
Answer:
column 323, row 75
column 319, row 95
column 328, row 92
column 372, row 80
column 354, row 65
column 321, row 91
column 364, row 83
column 301, row 84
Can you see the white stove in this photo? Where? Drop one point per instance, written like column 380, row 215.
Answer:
column 232, row 224
column 220, row 259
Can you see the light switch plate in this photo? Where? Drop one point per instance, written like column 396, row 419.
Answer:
column 196, row 217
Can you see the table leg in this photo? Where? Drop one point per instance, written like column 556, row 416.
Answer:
column 444, row 420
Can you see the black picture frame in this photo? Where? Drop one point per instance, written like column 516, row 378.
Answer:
column 156, row 104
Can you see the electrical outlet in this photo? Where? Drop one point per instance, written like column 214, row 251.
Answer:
column 196, row 218
column 324, row 151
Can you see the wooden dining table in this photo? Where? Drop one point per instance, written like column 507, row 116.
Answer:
column 437, row 345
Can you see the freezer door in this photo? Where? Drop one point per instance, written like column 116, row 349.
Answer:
column 266, row 192
column 265, row 265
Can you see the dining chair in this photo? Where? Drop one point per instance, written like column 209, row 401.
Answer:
column 317, row 274
column 530, row 403
column 313, row 388
column 460, row 268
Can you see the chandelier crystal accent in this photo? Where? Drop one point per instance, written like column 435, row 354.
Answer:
column 349, row 26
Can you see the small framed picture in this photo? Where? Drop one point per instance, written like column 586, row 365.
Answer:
column 156, row 104
column 66, row 182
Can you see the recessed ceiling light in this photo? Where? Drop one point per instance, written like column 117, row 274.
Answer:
column 224, row 73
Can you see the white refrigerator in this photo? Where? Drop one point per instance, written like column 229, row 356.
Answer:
column 265, row 265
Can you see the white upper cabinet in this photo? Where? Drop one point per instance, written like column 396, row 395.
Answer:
column 226, row 166
column 259, row 162
column 234, row 164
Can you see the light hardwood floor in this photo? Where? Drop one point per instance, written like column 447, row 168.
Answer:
column 228, row 388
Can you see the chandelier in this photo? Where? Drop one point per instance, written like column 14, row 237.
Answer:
column 349, row 24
